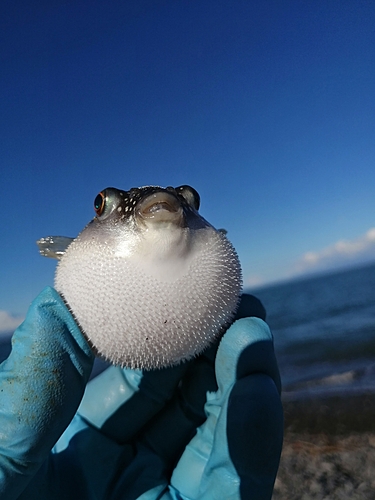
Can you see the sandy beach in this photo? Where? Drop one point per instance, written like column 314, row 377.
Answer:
column 329, row 449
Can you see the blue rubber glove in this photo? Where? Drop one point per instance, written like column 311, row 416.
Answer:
column 41, row 386
column 126, row 440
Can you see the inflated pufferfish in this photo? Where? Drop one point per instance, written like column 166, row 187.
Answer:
column 149, row 281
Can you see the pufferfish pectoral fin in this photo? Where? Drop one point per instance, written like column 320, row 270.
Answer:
column 53, row 246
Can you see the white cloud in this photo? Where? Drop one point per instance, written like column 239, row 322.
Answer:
column 9, row 323
column 343, row 252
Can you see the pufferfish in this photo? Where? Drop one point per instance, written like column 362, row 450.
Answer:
column 149, row 281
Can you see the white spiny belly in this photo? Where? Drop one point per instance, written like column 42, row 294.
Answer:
column 150, row 312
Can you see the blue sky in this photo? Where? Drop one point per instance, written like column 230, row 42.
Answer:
column 267, row 108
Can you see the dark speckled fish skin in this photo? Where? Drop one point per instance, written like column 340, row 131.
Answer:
column 122, row 206
column 128, row 200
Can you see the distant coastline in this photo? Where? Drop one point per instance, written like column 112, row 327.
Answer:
column 307, row 276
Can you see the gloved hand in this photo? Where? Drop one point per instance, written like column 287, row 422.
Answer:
column 126, row 440
column 41, row 386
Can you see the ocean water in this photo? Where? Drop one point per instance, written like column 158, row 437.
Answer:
column 324, row 331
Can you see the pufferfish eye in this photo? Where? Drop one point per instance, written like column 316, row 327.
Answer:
column 107, row 201
column 99, row 204
column 190, row 195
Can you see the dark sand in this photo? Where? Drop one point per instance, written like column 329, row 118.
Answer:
column 329, row 449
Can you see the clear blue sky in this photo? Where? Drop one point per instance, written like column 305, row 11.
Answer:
column 266, row 107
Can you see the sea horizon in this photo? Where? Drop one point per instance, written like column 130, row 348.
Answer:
column 323, row 327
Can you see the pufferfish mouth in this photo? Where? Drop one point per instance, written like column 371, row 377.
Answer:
column 160, row 207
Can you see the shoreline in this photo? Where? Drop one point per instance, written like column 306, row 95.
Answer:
column 337, row 414
column 329, row 448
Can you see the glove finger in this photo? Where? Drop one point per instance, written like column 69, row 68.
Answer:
column 255, row 434
column 247, row 374
column 42, row 383
column 212, row 473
